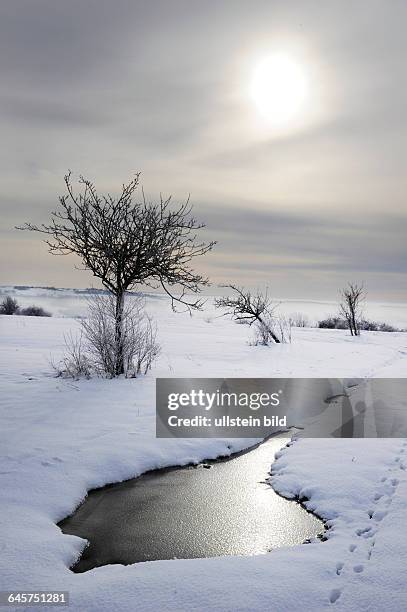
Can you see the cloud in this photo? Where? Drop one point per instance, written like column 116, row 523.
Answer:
column 309, row 241
column 108, row 88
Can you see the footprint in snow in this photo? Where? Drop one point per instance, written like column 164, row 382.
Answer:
column 339, row 567
column 334, row 595
column 365, row 532
column 379, row 515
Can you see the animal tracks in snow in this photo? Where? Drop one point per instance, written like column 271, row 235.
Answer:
column 360, row 550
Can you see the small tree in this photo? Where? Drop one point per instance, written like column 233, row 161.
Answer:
column 257, row 308
column 9, row 306
column 351, row 306
column 127, row 244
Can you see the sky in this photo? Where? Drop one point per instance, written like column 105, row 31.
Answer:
column 301, row 204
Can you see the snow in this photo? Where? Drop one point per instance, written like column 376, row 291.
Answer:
column 61, row 438
column 72, row 303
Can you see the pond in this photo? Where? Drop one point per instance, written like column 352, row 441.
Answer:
column 221, row 507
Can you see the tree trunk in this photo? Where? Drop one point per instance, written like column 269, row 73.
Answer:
column 272, row 334
column 355, row 325
column 118, row 335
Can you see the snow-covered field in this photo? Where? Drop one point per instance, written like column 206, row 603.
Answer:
column 72, row 303
column 60, row 438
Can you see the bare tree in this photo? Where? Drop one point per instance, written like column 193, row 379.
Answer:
column 351, row 306
column 249, row 307
column 127, row 244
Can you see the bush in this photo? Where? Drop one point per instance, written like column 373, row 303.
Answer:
column 9, row 306
column 75, row 363
column 271, row 326
column 385, row 327
column 95, row 350
column 364, row 325
column 374, row 326
column 298, row 319
column 34, row 311
column 367, row 325
column 333, row 323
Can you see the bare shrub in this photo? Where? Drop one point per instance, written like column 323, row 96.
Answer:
column 34, row 311
column 385, row 327
column 367, row 325
column 364, row 325
column 284, row 329
column 96, row 350
column 147, row 348
column 9, row 306
column 279, row 325
column 99, row 332
column 333, row 322
column 298, row 319
column 261, row 334
column 75, row 363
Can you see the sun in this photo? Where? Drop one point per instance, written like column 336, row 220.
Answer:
column 279, row 88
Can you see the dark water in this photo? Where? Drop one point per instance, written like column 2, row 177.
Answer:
column 224, row 509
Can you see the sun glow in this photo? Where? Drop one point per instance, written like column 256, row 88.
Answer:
column 279, row 89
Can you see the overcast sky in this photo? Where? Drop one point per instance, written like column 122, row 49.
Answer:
column 107, row 88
